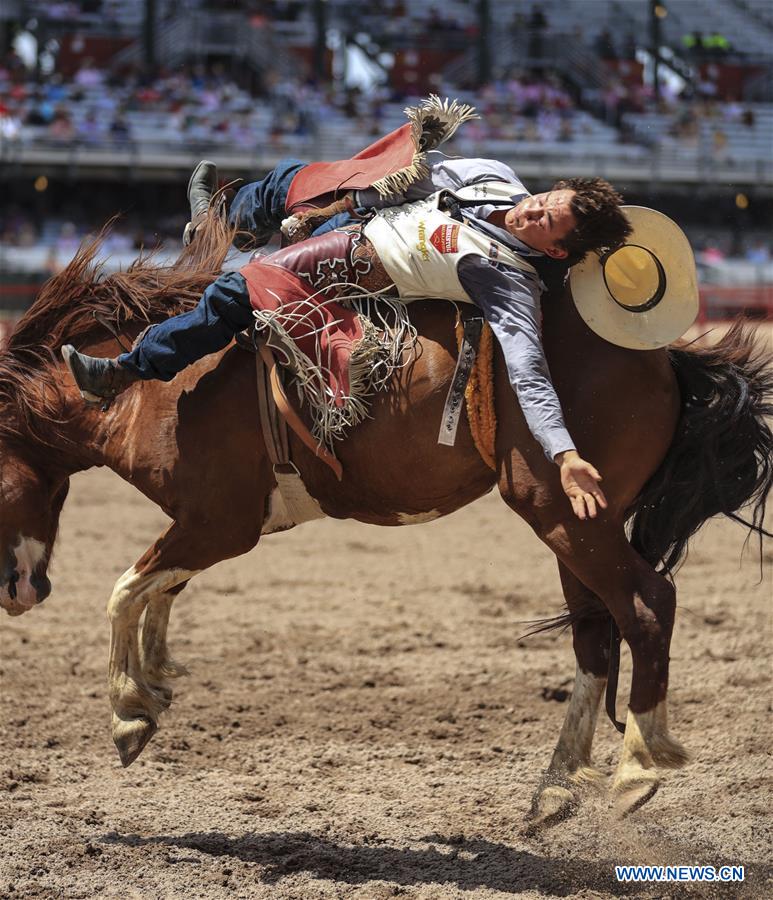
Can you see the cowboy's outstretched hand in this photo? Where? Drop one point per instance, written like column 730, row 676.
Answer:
column 580, row 481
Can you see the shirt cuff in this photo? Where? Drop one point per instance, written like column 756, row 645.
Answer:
column 555, row 441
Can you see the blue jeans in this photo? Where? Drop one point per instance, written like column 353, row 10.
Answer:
column 259, row 207
column 224, row 308
column 170, row 346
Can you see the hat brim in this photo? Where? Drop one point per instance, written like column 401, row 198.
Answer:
column 678, row 307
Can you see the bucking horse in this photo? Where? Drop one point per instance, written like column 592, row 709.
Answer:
column 678, row 433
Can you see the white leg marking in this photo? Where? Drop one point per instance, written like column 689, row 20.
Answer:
column 647, row 744
column 556, row 796
column 573, row 751
column 130, row 695
column 157, row 667
column 132, row 587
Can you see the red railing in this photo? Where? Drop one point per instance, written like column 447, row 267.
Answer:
column 722, row 303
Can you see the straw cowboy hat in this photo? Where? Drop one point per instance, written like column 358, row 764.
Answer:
column 645, row 294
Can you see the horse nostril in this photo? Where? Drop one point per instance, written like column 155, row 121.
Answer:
column 12, row 585
column 42, row 587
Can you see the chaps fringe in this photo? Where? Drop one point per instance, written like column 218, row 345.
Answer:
column 433, row 122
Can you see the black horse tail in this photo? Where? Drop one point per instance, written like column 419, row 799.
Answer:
column 721, row 458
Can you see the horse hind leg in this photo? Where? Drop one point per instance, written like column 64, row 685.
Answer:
column 646, row 625
column 643, row 605
column 571, row 772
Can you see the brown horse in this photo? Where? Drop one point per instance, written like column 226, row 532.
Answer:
column 679, row 436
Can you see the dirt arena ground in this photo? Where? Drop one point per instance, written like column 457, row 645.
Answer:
column 363, row 720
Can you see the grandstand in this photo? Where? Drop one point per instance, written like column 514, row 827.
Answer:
column 118, row 101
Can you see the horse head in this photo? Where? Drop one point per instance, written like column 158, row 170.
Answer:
column 31, row 499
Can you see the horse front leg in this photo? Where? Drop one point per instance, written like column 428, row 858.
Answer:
column 158, row 667
column 136, row 705
column 571, row 772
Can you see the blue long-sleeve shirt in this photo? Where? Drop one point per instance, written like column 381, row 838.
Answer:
column 509, row 298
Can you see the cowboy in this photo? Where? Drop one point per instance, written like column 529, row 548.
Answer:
column 481, row 237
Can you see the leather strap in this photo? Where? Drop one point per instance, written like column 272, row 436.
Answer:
column 274, row 428
column 612, row 674
column 291, row 417
column 468, row 352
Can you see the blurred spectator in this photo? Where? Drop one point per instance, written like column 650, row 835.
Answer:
column 62, row 129
column 619, row 98
column 522, row 107
column 693, row 44
column 89, row 130
column 758, row 253
column 630, row 46
column 716, row 44
column 605, row 46
column 719, row 146
column 10, row 125
column 536, row 25
column 119, row 129
column 201, row 105
column 16, row 228
column 701, row 46
column 712, row 252
column 68, row 240
column 566, row 131
column 41, row 113
column 89, row 75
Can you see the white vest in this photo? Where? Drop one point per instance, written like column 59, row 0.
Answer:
column 420, row 246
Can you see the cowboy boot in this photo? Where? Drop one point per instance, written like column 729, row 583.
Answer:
column 201, row 186
column 98, row 379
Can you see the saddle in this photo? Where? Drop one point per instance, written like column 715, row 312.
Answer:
column 472, row 383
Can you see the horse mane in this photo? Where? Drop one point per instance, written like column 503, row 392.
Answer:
column 76, row 301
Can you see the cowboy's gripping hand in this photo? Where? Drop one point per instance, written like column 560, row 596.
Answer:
column 580, row 481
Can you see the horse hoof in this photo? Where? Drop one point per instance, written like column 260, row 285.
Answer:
column 553, row 804
column 130, row 737
column 632, row 795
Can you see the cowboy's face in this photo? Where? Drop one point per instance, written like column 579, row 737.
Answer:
column 542, row 220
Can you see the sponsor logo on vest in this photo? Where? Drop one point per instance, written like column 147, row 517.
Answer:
column 422, row 245
column 445, row 239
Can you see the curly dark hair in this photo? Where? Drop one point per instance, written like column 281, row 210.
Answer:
column 601, row 224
